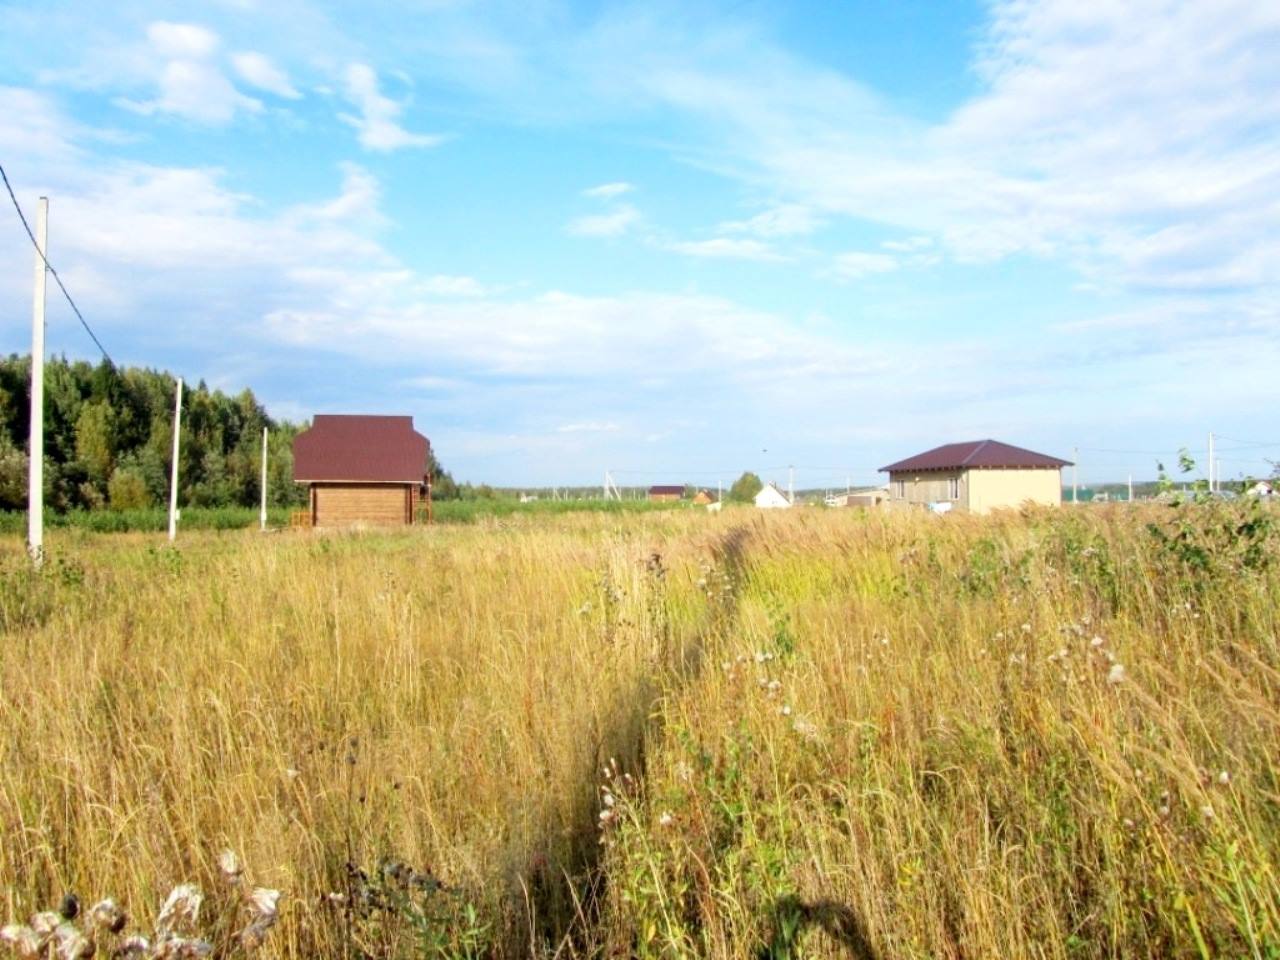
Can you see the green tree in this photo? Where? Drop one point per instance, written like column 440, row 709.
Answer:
column 745, row 488
column 95, row 440
column 127, row 490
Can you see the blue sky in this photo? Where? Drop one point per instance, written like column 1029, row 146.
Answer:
column 675, row 240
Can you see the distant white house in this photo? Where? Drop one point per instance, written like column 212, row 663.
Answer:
column 1263, row 488
column 771, row 498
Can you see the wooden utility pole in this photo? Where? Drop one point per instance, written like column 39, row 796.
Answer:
column 262, row 514
column 35, row 449
column 173, row 481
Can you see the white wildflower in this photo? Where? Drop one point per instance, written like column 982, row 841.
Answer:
column 1116, row 674
column 666, row 819
column 786, row 710
column 1096, row 642
column 1224, row 778
column 1207, row 811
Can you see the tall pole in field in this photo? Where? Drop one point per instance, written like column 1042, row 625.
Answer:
column 1211, row 462
column 1075, row 475
column 262, row 514
column 1131, row 488
column 791, row 484
column 35, row 454
column 173, row 481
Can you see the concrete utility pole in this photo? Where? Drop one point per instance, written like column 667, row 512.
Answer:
column 1075, row 474
column 1131, row 488
column 1211, row 462
column 35, row 449
column 263, row 512
column 791, row 484
column 173, row 481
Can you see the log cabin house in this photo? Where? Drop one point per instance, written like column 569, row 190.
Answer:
column 362, row 470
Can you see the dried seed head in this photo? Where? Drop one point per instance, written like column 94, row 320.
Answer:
column 181, row 948
column 1224, row 778
column 22, row 940
column 1116, row 674
column 133, row 946
column 666, row 819
column 69, row 908
column 230, row 866
column 107, row 916
column 44, row 924
column 265, row 901
column 72, row 944
column 183, row 903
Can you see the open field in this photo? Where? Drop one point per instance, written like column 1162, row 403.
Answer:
column 822, row 733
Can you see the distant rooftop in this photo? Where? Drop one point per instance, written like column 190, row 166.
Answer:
column 361, row 449
column 976, row 454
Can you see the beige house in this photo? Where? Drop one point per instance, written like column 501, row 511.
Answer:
column 975, row 477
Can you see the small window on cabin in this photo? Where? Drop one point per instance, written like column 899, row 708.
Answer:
column 953, row 488
column 900, row 489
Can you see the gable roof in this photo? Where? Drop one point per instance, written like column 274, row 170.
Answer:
column 359, row 448
column 976, row 454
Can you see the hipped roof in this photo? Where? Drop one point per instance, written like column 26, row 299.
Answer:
column 360, row 449
column 976, row 454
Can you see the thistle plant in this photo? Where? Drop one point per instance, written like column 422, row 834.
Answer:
column 178, row 931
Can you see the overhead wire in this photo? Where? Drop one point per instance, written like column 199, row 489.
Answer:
column 49, row 266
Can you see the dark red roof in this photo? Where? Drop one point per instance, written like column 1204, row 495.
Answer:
column 360, row 448
column 659, row 489
column 976, row 454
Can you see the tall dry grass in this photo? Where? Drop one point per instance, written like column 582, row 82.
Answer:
column 832, row 733
column 440, row 698
column 1050, row 735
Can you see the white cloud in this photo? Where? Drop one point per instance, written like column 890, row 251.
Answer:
column 909, row 244
column 378, row 123
column 589, row 426
column 785, row 220
column 857, row 264
column 612, row 224
column 608, row 191
column 358, row 199
column 188, row 84
column 258, row 71
column 727, row 248
column 453, row 286
column 182, row 41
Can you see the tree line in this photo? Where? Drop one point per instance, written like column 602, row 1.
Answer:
column 108, row 441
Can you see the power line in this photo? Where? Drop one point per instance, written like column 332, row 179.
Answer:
column 49, row 266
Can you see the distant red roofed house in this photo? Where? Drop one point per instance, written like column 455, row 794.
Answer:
column 361, row 469
column 666, row 492
column 976, row 477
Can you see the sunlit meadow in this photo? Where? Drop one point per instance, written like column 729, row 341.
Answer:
column 820, row 733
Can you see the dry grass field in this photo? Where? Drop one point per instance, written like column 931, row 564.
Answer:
column 822, row 734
